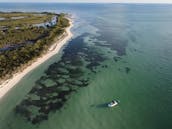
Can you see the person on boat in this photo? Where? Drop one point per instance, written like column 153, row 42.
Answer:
column 113, row 101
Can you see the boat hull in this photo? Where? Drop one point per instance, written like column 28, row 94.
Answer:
column 112, row 104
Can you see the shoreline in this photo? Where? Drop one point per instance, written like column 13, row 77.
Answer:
column 7, row 85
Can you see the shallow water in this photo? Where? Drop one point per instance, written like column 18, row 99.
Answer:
column 123, row 52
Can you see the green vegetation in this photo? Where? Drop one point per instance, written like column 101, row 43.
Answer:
column 13, row 37
column 28, row 41
column 17, row 19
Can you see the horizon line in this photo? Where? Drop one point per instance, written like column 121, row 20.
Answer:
column 91, row 2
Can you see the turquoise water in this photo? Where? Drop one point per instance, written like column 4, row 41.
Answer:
column 123, row 52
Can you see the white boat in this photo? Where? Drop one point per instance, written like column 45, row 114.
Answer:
column 113, row 103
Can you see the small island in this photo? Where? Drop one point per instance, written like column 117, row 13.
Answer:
column 26, row 41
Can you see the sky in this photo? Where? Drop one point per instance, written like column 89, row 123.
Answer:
column 94, row 1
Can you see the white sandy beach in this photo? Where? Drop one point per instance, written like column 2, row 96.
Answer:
column 54, row 49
